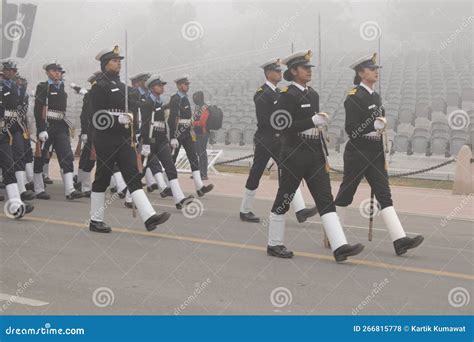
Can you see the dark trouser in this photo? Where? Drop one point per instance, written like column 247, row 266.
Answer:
column 6, row 162
column 358, row 164
column 111, row 150
column 266, row 147
column 153, row 164
column 161, row 151
column 305, row 162
column 187, row 142
column 28, row 157
column 59, row 139
column 201, row 147
column 85, row 162
column 18, row 150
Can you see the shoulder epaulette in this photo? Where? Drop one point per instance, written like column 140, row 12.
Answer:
column 284, row 90
column 259, row 89
column 353, row 91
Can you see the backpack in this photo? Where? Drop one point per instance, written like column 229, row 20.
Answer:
column 214, row 121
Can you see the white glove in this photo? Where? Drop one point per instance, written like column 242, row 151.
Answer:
column 320, row 119
column 125, row 119
column 84, row 138
column 145, row 150
column 380, row 123
column 43, row 136
column 174, row 143
column 83, row 91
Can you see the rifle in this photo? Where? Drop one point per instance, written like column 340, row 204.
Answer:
column 77, row 152
column 40, row 145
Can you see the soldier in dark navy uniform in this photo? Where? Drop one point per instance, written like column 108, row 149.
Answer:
column 364, row 153
column 53, row 130
column 155, row 137
column 267, row 145
column 182, row 134
column 303, row 156
column 14, row 207
column 114, row 141
column 14, row 120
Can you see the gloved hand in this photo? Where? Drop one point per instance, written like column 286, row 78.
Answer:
column 84, row 138
column 320, row 119
column 380, row 123
column 145, row 150
column 125, row 119
column 43, row 136
column 174, row 143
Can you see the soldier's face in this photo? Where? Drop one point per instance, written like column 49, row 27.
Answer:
column 9, row 73
column 274, row 76
column 114, row 65
column 183, row 87
column 302, row 73
column 158, row 89
column 369, row 75
column 54, row 74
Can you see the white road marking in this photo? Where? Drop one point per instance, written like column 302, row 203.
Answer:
column 21, row 300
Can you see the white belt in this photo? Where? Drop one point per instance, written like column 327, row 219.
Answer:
column 184, row 121
column 372, row 136
column 159, row 125
column 312, row 133
column 117, row 112
column 53, row 115
column 11, row 113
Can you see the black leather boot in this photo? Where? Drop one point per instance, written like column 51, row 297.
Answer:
column 406, row 243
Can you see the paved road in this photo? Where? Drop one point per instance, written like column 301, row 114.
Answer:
column 214, row 264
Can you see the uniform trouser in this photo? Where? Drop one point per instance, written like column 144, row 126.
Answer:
column 111, row 150
column 153, row 164
column 266, row 147
column 28, row 156
column 18, row 150
column 368, row 164
column 59, row 139
column 189, row 145
column 201, row 147
column 6, row 162
column 85, row 162
column 162, row 152
column 304, row 162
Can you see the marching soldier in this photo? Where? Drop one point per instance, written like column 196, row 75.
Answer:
column 14, row 119
column 182, row 134
column 364, row 153
column 53, row 130
column 114, row 142
column 303, row 156
column 155, row 137
column 14, row 207
column 267, row 145
column 87, row 160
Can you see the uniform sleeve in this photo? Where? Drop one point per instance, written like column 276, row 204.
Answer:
column 173, row 118
column 146, row 110
column 287, row 103
column 264, row 108
column 356, row 123
column 85, row 114
column 40, row 99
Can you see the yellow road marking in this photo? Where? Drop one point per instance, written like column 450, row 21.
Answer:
column 263, row 249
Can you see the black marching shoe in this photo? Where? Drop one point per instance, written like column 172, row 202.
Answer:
column 99, row 227
column 86, row 194
column 47, row 180
column 279, row 252
column 74, row 195
column 405, row 243
column 30, row 186
column 306, row 213
column 128, row 205
column 205, row 189
column 123, row 193
column 166, row 192
column 347, row 250
column 29, row 207
column 2, row 198
column 2, row 185
column 27, row 195
column 156, row 220
column 113, row 189
column 77, row 186
column 184, row 202
column 249, row 217
column 43, row 195
column 152, row 188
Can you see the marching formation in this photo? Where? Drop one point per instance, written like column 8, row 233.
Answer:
column 130, row 133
